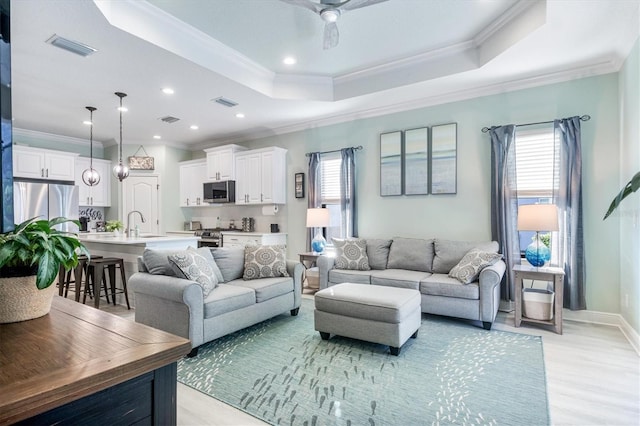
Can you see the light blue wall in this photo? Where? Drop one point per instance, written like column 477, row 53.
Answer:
column 629, row 211
column 466, row 215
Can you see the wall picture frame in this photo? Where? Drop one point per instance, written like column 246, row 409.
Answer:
column 391, row 158
column 299, row 185
column 444, row 159
column 416, row 161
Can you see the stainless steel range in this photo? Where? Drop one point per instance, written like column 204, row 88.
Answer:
column 211, row 237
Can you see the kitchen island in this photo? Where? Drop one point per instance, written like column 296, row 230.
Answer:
column 129, row 249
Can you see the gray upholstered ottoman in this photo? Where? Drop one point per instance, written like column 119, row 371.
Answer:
column 385, row 315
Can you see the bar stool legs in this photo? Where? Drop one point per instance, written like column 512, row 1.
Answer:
column 95, row 274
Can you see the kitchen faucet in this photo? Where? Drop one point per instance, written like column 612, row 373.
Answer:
column 128, row 231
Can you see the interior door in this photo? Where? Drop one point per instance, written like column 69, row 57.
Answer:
column 141, row 193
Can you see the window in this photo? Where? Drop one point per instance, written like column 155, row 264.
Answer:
column 536, row 170
column 330, row 194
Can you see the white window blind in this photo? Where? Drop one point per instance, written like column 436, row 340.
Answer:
column 330, row 176
column 536, row 163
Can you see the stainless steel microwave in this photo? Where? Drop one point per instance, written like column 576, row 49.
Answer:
column 220, row 192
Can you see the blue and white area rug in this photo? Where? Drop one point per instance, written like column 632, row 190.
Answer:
column 280, row 371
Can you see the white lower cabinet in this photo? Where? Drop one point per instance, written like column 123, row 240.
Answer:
column 98, row 195
column 242, row 239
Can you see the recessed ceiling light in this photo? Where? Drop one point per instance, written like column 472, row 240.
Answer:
column 193, row 127
column 289, row 60
column 168, row 91
column 157, row 137
column 239, row 115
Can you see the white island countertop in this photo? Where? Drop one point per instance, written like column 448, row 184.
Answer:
column 147, row 240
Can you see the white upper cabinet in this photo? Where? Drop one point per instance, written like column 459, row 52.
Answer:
column 98, row 195
column 261, row 176
column 40, row 163
column 221, row 162
column 192, row 176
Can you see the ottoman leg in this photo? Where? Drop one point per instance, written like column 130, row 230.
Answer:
column 414, row 335
column 324, row 336
column 394, row 351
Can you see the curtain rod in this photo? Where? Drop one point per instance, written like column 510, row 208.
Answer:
column 357, row 148
column 582, row 118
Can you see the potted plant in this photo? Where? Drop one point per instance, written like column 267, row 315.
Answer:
column 114, row 226
column 632, row 186
column 30, row 258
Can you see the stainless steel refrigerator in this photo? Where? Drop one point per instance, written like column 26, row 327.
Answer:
column 46, row 200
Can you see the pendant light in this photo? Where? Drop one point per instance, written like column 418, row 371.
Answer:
column 90, row 176
column 120, row 171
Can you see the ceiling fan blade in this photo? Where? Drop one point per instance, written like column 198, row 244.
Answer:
column 357, row 4
column 307, row 4
column 331, row 36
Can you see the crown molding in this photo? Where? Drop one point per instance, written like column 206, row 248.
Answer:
column 51, row 137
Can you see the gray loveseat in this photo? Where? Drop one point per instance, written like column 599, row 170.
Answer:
column 424, row 265
column 178, row 305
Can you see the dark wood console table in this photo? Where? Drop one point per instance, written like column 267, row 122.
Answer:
column 79, row 365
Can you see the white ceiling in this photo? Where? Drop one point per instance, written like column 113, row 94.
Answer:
column 394, row 55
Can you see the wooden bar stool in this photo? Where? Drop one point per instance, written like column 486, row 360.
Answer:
column 95, row 274
column 64, row 277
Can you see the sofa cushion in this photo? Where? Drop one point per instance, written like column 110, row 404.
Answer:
column 349, row 276
column 442, row 285
column 226, row 298
column 469, row 267
column 351, row 254
column 411, row 253
column 267, row 288
column 398, row 278
column 157, row 261
column 378, row 253
column 264, row 262
column 206, row 253
column 190, row 265
column 230, row 260
column 448, row 253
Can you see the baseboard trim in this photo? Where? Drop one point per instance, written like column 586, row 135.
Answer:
column 605, row 318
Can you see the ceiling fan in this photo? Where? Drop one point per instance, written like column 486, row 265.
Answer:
column 330, row 11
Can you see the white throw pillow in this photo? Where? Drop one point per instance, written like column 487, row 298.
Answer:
column 351, row 254
column 471, row 264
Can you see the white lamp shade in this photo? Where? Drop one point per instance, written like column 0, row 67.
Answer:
column 317, row 218
column 538, row 217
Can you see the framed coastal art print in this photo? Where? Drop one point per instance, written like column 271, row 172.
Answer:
column 444, row 156
column 391, row 163
column 416, row 161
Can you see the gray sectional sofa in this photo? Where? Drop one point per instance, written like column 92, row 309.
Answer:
column 179, row 305
column 424, row 265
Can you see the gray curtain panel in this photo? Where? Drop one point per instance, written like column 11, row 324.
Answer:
column 504, row 202
column 568, row 198
column 315, row 191
column 348, row 204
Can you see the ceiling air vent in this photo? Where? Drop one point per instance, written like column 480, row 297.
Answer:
column 225, row 102
column 71, row 46
column 169, row 119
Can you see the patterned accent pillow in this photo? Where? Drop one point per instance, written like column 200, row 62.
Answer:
column 472, row 263
column 192, row 266
column 351, row 254
column 264, row 262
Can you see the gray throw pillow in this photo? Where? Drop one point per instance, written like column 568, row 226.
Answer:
column 264, row 262
column 157, row 262
column 192, row 266
column 230, row 260
column 471, row 264
column 206, row 253
column 378, row 253
column 448, row 253
column 351, row 254
column 411, row 253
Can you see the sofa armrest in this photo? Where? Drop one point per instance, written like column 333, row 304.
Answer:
column 170, row 304
column 489, row 283
column 325, row 264
column 296, row 270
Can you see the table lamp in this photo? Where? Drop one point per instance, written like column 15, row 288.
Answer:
column 318, row 218
column 537, row 217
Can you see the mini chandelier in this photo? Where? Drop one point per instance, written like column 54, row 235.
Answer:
column 120, row 171
column 90, row 176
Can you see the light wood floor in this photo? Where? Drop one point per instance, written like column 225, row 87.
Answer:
column 593, row 378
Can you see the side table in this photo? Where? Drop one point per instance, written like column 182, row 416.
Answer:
column 550, row 273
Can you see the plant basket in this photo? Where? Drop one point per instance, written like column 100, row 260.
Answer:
column 20, row 299
column 537, row 303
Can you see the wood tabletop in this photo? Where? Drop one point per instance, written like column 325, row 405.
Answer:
column 72, row 352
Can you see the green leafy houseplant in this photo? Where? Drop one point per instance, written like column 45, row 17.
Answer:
column 632, row 186
column 35, row 247
column 114, row 225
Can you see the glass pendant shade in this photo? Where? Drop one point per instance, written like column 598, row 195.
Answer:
column 537, row 253
column 90, row 176
column 120, row 171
